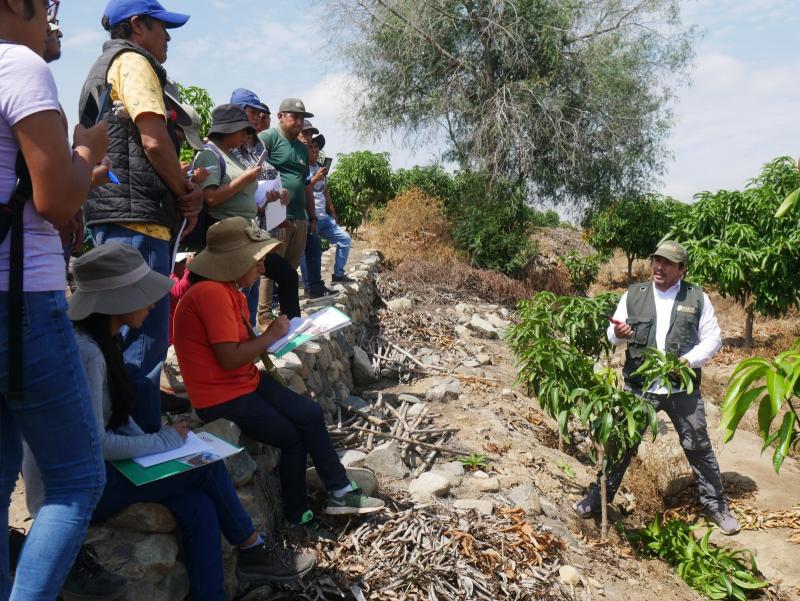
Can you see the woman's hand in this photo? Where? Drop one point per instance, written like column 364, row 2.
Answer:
column 279, row 327
column 250, row 174
column 182, row 428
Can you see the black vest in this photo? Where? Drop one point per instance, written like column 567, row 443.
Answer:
column 141, row 196
column 684, row 326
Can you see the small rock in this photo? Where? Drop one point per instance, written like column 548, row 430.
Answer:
column 595, row 583
column 453, row 479
column 350, row 458
column 470, row 363
column 363, row 374
column 415, row 410
column 356, row 402
column 297, row 384
column 385, row 460
column 481, row 327
column 241, row 468
column 156, row 554
column 491, row 484
column 464, row 309
column 479, row 474
column 401, row 305
column 558, row 528
column 569, row 575
column 497, row 321
column 463, row 332
column 452, row 467
column 289, row 361
column 527, row 498
column 504, row 312
column 408, row 398
column 482, row 506
column 429, row 484
column 145, row 517
column 224, row 429
column 443, row 389
column 483, row 359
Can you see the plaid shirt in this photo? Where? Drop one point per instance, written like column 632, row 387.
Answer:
column 248, row 155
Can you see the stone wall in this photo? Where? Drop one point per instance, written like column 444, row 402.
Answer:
column 143, row 544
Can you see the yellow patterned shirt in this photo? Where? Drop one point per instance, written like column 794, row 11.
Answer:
column 135, row 83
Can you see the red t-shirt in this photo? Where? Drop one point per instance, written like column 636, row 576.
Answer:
column 211, row 313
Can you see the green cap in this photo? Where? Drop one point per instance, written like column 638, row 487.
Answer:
column 672, row 251
column 294, row 105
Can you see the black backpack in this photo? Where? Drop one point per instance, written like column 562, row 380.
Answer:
column 196, row 239
column 11, row 222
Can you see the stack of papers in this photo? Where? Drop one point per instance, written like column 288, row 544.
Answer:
column 276, row 211
column 303, row 329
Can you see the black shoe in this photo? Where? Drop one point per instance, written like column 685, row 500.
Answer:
column 172, row 403
column 89, row 581
column 309, row 528
column 272, row 561
column 342, row 279
column 322, row 292
column 16, row 538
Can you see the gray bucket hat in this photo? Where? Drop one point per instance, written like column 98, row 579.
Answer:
column 229, row 118
column 113, row 279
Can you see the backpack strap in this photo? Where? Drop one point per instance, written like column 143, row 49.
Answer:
column 213, row 148
column 11, row 222
column 266, row 361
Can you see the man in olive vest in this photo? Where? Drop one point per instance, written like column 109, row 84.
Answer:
column 671, row 315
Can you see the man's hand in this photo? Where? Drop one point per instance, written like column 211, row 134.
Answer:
column 623, row 330
column 321, row 172
column 312, row 226
column 284, row 196
column 191, row 223
column 94, row 138
column 100, row 172
column 191, row 203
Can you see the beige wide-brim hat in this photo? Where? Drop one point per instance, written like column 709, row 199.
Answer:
column 113, row 279
column 233, row 246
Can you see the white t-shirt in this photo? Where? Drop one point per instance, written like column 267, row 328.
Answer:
column 27, row 87
column 319, row 191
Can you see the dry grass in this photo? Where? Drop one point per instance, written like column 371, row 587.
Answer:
column 412, row 226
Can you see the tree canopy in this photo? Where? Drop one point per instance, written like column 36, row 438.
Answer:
column 570, row 97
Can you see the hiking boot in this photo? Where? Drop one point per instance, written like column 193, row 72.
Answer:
column 89, row 581
column 723, row 518
column 16, row 538
column 309, row 528
column 354, row 502
column 342, row 279
column 322, row 293
column 273, row 562
column 586, row 507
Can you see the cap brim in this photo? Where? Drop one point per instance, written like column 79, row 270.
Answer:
column 193, row 139
column 171, row 20
column 227, row 267
column 229, row 128
column 150, row 289
column 259, row 107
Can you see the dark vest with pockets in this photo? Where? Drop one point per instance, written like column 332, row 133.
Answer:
column 684, row 327
column 141, row 196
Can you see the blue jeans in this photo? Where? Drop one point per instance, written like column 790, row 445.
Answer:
column 55, row 418
column 204, row 504
column 330, row 230
column 311, row 264
column 144, row 349
column 278, row 416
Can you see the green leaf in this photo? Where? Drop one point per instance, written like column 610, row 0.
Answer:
column 734, row 411
column 788, row 203
column 784, row 440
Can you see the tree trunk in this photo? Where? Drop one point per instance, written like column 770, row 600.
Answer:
column 630, row 270
column 603, row 497
column 748, row 326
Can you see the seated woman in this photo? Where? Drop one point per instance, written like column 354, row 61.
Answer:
column 115, row 287
column 230, row 190
column 216, row 357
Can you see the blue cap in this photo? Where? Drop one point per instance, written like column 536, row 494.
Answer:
column 244, row 98
column 118, row 11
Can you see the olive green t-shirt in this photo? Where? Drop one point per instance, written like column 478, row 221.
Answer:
column 291, row 161
column 241, row 204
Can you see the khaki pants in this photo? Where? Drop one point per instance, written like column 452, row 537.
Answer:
column 294, row 245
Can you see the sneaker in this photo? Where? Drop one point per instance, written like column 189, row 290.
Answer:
column 309, row 528
column 273, row 562
column 352, row 503
column 16, row 538
column 89, row 581
column 361, row 477
column 342, row 279
column 723, row 518
column 586, row 507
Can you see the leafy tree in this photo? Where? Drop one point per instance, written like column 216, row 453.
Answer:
column 773, row 385
column 431, row 179
column 568, row 96
column 582, row 271
column 201, row 101
column 633, row 224
column 492, row 223
column 735, row 243
column 361, row 180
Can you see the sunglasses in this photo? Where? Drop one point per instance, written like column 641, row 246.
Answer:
column 52, row 11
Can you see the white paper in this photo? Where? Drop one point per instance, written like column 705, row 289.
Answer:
column 191, row 446
column 276, row 214
column 264, row 187
column 295, row 323
column 322, row 322
column 177, row 245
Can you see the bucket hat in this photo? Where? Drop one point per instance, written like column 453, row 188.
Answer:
column 192, row 132
column 113, row 279
column 229, row 118
column 233, row 245
column 672, row 251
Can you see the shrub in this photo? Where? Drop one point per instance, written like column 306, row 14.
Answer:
column 582, row 270
column 360, row 181
column 492, row 223
column 431, row 179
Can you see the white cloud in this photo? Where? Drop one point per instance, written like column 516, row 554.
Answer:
column 736, row 117
column 83, row 38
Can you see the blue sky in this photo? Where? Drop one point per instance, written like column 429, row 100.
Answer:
column 741, row 109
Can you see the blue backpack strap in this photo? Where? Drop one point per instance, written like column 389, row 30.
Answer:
column 220, row 158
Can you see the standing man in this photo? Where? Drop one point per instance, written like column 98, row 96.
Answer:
column 671, row 315
column 290, row 157
column 146, row 208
